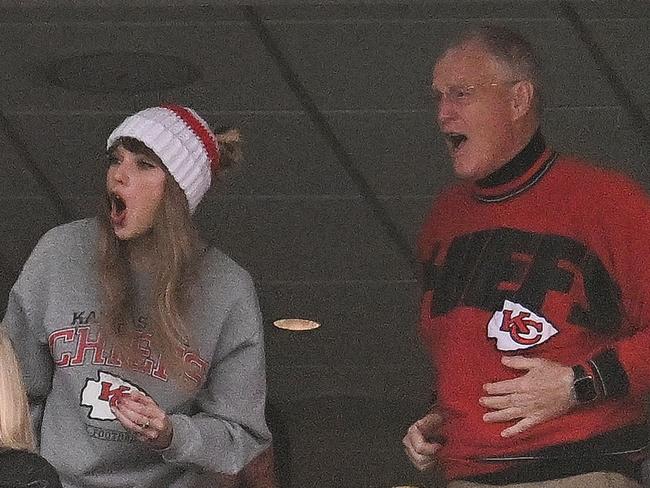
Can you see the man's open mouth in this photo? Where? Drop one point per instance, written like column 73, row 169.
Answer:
column 455, row 140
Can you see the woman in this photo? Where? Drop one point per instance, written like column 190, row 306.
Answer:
column 142, row 347
column 19, row 465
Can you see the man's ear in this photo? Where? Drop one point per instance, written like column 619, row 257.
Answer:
column 523, row 98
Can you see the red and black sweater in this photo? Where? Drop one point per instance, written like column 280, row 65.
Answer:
column 547, row 258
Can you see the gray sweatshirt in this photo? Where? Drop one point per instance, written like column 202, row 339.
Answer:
column 52, row 318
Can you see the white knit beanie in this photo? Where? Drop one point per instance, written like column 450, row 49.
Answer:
column 182, row 140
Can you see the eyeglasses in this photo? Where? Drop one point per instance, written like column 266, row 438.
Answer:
column 463, row 94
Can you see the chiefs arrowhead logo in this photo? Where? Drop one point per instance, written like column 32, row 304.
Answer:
column 515, row 327
column 101, row 393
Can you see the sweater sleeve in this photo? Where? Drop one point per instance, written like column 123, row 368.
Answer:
column 624, row 368
column 230, row 428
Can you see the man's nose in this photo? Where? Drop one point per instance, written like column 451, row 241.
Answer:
column 445, row 109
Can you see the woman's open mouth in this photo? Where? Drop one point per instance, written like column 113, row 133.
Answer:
column 118, row 210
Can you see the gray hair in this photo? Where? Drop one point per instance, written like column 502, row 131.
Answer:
column 509, row 48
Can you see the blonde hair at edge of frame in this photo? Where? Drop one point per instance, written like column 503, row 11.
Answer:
column 15, row 421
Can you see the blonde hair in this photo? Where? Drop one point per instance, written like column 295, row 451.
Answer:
column 15, row 421
column 176, row 242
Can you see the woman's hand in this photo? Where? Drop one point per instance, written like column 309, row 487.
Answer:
column 143, row 417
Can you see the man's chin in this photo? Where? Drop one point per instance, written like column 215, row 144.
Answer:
column 469, row 169
column 466, row 172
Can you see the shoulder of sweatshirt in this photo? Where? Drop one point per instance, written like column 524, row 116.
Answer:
column 223, row 285
column 73, row 238
column 65, row 247
column 217, row 269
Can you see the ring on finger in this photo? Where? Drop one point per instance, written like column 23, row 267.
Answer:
column 146, row 424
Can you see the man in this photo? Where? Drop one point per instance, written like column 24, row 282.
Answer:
column 535, row 273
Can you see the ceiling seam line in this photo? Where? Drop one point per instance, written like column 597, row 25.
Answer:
column 326, row 131
column 59, row 205
column 621, row 92
column 6, row 268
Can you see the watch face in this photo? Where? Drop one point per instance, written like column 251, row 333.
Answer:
column 585, row 389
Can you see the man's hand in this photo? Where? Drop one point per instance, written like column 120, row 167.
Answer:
column 543, row 393
column 422, row 441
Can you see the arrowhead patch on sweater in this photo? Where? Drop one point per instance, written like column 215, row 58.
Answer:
column 515, row 327
column 100, row 394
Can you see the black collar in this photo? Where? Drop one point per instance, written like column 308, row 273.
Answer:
column 518, row 165
column 518, row 175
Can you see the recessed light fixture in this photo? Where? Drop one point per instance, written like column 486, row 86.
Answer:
column 121, row 71
column 296, row 324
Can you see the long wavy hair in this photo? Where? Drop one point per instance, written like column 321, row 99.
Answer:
column 15, row 421
column 175, row 242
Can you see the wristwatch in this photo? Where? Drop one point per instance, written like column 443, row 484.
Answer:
column 583, row 385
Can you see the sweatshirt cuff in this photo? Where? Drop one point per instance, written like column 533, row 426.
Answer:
column 181, row 439
column 609, row 372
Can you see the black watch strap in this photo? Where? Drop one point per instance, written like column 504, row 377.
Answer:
column 584, row 386
column 610, row 375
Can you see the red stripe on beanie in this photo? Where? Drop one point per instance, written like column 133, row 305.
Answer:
column 206, row 137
